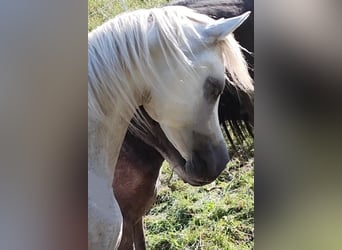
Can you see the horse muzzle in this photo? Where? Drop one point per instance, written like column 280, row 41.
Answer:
column 206, row 164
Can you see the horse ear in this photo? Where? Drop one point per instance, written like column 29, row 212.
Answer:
column 219, row 29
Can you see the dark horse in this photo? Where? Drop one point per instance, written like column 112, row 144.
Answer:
column 141, row 158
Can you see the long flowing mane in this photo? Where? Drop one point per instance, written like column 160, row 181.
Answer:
column 120, row 57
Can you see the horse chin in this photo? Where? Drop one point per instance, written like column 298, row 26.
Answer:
column 181, row 171
column 190, row 180
column 206, row 164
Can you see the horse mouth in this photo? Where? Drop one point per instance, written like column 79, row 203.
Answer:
column 188, row 178
column 197, row 183
column 207, row 160
column 178, row 164
column 206, row 164
column 181, row 169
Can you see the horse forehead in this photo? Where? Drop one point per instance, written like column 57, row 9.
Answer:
column 208, row 58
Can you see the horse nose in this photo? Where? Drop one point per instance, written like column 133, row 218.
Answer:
column 221, row 157
column 210, row 160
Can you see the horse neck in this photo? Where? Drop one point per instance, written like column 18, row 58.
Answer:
column 104, row 142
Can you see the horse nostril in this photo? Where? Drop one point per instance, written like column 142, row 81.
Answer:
column 206, row 164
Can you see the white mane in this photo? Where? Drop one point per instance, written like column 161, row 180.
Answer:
column 120, row 57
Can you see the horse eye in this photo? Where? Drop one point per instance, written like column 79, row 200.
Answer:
column 212, row 88
column 217, row 91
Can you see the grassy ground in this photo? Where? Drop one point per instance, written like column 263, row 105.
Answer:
column 217, row 216
column 102, row 10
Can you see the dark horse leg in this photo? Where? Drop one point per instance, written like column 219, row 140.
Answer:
column 140, row 159
column 127, row 237
column 138, row 235
column 133, row 237
column 134, row 187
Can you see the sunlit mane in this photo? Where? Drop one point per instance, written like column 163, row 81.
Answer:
column 120, row 62
column 236, row 65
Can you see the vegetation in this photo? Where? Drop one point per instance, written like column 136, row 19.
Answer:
column 217, row 216
column 100, row 11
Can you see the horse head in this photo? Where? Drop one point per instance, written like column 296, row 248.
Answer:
column 193, row 73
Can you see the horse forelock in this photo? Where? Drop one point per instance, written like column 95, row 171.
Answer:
column 120, row 59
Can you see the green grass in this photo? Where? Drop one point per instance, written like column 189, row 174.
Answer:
column 100, row 11
column 217, row 216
